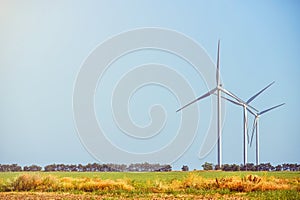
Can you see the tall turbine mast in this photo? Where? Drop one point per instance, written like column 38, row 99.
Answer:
column 219, row 89
column 245, row 134
column 219, row 154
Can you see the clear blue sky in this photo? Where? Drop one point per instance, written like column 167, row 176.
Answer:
column 44, row 43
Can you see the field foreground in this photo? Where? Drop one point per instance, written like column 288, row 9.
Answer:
column 63, row 196
column 150, row 185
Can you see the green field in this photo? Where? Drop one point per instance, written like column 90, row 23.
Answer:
column 142, row 176
column 150, row 185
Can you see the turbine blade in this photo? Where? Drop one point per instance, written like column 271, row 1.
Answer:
column 252, row 108
column 237, row 98
column 234, row 102
column 253, row 97
column 267, row 110
column 201, row 97
column 253, row 130
column 231, row 95
column 218, row 65
column 251, row 111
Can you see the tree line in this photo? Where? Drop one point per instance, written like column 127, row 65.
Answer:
column 252, row 167
column 144, row 167
column 94, row 167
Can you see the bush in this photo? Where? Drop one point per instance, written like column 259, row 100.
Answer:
column 207, row 166
column 27, row 182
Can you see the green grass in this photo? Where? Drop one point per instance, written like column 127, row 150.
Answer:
column 142, row 176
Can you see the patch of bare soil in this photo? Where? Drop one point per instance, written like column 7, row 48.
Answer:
column 87, row 196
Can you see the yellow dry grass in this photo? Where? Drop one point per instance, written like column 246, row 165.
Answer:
column 50, row 183
column 248, row 183
column 31, row 182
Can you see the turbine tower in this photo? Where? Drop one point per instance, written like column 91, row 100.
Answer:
column 255, row 129
column 219, row 89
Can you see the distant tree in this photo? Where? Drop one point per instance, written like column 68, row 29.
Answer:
column 226, row 167
column 10, row 168
column 293, row 167
column 80, row 168
column 265, row 167
column 50, row 168
column 16, row 168
column 32, row 168
column 243, row 167
column 272, row 168
column 250, row 167
column 146, row 167
column 278, row 168
column 217, row 167
column 207, row 166
column 95, row 167
column 185, row 168
column 298, row 167
column 285, row 167
column 235, row 167
column 73, row 168
column 105, row 168
column 164, row 168
column 167, row 168
column 132, row 167
column 60, row 167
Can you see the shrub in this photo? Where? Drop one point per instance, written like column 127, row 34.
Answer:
column 251, row 183
column 26, row 182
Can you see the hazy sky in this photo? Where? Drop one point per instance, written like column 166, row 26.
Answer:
column 44, row 43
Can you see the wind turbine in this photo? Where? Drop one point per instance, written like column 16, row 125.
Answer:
column 219, row 89
column 256, row 128
column 246, row 107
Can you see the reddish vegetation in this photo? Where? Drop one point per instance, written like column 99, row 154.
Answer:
column 64, row 196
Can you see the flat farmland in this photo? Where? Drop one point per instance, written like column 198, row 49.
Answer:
column 150, row 185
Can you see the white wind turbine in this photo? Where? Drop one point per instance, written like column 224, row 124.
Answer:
column 246, row 107
column 219, row 89
column 255, row 129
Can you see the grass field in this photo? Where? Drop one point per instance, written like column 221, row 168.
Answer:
column 150, row 185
